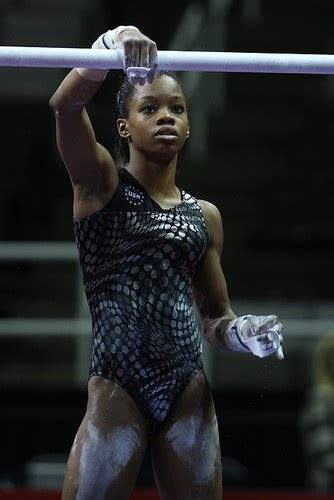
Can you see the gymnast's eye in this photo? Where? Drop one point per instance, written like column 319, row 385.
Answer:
column 178, row 108
column 148, row 108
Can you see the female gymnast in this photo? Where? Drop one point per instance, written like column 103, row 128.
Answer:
column 146, row 249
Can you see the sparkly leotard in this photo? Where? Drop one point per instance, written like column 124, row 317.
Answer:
column 138, row 261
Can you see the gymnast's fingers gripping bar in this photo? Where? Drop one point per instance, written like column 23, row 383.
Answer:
column 238, row 62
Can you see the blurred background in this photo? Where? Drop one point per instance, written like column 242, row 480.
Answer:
column 260, row 149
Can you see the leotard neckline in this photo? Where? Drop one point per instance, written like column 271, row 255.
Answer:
column 135, row 181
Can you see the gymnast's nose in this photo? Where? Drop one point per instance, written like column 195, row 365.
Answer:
column 165, row 116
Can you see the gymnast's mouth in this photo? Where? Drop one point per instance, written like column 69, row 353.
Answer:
column 166, row 131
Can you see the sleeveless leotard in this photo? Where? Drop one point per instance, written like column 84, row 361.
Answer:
column 137, row 262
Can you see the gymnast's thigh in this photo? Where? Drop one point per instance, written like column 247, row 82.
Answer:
column 109, row 447
column 185, row 452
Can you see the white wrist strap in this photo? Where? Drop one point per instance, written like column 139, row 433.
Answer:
column 232, row 336
column 108, row 40
column 105, row 41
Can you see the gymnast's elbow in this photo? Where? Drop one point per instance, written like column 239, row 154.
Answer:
column 69, row 96
column 54, row 105
column 62, row 106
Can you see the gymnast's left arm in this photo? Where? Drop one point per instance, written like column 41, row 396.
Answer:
column 222, row 328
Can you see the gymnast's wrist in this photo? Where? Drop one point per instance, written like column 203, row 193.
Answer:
column 215, row 331
column 104, row 42
column 111, row 39
column 232, row 335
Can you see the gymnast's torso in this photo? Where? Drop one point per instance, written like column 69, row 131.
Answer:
column 137, row 262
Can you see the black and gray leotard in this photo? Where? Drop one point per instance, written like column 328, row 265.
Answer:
column 138, row 261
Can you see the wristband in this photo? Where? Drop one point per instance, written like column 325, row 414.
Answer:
column 108, row 40
column 232, row 337
column 105, row 41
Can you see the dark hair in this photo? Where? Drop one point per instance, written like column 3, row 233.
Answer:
column 125, row 93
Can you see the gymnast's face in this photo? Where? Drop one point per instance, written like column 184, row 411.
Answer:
column 157, row 125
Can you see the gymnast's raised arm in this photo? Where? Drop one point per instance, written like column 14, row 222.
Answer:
column 260, row 335
column 90, row 165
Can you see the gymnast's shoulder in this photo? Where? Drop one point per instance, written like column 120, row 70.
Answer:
column 212, row 216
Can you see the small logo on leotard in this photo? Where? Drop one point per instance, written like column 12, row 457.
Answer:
column 133, row 195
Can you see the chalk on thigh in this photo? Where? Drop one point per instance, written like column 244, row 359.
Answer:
column 186, row 452
column 107, row 452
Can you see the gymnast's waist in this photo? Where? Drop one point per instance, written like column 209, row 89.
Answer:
column 150, row 342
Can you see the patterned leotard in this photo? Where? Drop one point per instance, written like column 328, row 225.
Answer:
column 138, row 261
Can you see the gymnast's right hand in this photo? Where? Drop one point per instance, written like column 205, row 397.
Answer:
column 139, row 51
column 140, row 55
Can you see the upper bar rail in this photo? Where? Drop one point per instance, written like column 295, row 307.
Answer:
column 239, row 62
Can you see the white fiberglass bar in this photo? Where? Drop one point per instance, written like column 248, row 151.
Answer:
column 239, row 62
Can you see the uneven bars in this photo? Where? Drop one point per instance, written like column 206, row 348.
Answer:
column 238, row 62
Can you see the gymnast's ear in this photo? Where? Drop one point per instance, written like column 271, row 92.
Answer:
column 122, row 128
